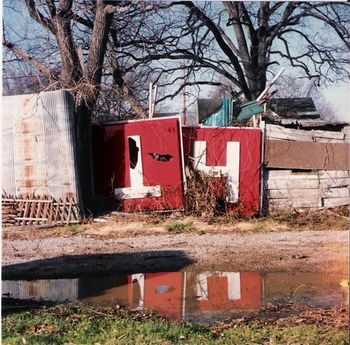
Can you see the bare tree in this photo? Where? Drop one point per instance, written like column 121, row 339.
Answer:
column 183, row 44
column 106, row 52
column 243, row 41
column 268, row 32
column 291, row 86
column 71, row 71
column 72, row 25
column 233, row 43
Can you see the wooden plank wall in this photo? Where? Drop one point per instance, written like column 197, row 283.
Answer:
column 307, row 155
column 288, row 189
column 306, row 169
column 288, row 148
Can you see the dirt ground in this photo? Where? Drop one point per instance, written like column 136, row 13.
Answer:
column 125, row 244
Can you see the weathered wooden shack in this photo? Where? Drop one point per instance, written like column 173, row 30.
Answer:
column 307, row 159
column 142, row 163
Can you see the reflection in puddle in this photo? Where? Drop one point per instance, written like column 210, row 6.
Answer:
column 196, row 296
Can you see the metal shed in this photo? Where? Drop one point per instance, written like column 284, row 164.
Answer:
column 38, row 150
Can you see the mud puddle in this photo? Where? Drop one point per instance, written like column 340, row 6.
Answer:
column 191, row 296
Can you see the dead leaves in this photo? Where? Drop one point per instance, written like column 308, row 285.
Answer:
column 289, row 316
column 43, row 329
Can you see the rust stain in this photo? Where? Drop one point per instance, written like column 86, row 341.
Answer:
column 29, row 183
column 27, row 149
column 28, row 170
column 71, row 196
column 32, row 290
column 25, row 128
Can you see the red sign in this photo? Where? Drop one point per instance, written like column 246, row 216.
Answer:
column 223, row 291
column 231, row 153
column 140, row 163
column 164, row 293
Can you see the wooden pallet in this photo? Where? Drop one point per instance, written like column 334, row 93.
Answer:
column 38, row 210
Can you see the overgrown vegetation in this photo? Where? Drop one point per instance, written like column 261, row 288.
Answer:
column 77, row 324
column 319, row 219
column 308, row 220
column 73, row 228
column 205, row 196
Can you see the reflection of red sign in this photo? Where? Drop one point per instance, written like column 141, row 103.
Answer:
column 163, row 293
column 222, row 291
column 140, row 163
column 234, row 153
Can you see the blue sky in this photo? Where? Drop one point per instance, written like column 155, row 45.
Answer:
column 338, row 95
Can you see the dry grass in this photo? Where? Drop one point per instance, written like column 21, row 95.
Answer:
column 126, row 225
column 205, row 196
column 319, row 219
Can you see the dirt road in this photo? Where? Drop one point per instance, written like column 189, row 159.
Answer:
column 49, row 253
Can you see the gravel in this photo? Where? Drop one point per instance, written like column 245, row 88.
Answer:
column 72, row 255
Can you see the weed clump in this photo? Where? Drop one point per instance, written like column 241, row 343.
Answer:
column 318, row 219
column 179, row 228
column 206, row 196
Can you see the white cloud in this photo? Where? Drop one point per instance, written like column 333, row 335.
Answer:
column 339, row 99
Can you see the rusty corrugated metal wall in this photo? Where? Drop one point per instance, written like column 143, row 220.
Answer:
column 59, row 290
column 38, row 145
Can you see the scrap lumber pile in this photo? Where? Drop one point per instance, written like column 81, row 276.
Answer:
column 39, row 210
column 306, row 169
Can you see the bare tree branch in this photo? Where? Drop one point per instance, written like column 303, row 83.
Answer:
column 37, row 64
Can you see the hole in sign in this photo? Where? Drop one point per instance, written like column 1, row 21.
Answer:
column 133, row 152
column 160, row 157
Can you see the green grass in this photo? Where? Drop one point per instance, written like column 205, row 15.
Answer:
column 179, row 228
column 72, row 229
column 107, row 326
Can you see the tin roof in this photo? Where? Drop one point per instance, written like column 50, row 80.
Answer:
column 297, row 108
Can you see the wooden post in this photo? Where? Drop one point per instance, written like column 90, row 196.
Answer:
column 154, row 97
column 184, row 101
column 270, row 84
column 150, row 96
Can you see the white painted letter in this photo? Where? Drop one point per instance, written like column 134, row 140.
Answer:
column 137, row 188
column 233, row 282
column 231, row 170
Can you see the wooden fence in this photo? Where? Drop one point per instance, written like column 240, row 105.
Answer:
column 39, row 210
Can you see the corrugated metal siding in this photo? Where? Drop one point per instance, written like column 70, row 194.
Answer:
column 59, row 290
column 223, row 117
column 248, row 110
column 10, row 288
column 29, row 147
column 8, row 165
column 7, row 154
column 59, row 132
column 39, row 145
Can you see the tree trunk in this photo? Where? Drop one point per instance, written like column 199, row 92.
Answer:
column 124, row 87
column 98, row 44
column 256, row 77
column 88, row 98
column 84, row 157
column 71, row 69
